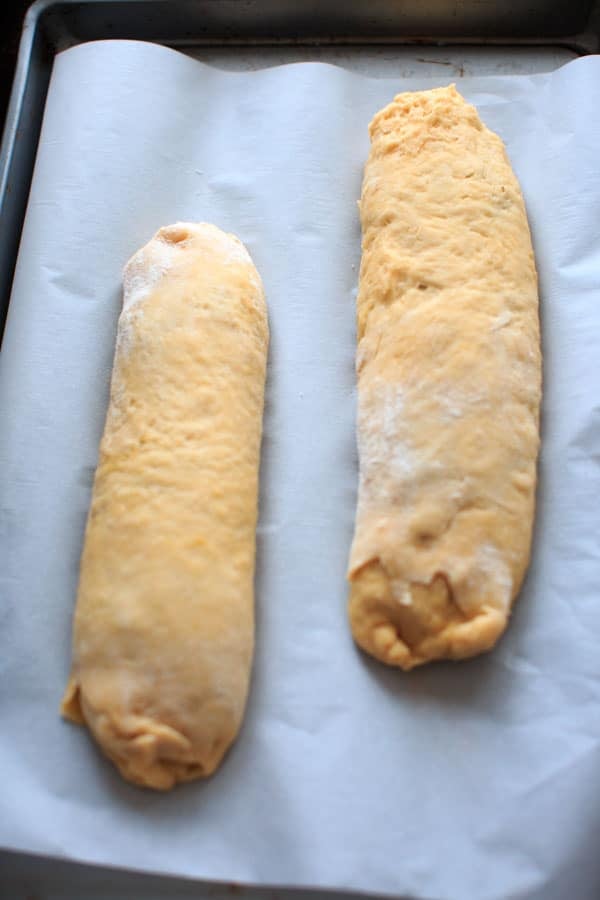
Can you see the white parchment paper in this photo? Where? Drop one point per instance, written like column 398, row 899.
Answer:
column 476, row 781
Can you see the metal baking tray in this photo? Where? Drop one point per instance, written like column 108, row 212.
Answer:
column 459, row 34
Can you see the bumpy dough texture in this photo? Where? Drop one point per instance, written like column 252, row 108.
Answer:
column 449, row 380
column 164, row 622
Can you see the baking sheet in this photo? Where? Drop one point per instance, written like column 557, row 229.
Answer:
column 476, row 781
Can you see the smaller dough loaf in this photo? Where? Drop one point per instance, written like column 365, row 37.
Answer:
column 164, row 622
column 449, row 380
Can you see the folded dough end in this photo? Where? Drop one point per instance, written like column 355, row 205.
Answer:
column 148, row 752
column 422, row 623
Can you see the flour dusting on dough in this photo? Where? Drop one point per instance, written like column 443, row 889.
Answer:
column 231, row 247
column 145, row 269
column 450, row 407
column 501, row 320
column 382, row 442
column 490, row 563
column 401, row 592
column 157, row 258
column 457, row 400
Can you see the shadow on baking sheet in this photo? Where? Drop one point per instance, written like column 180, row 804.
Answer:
column 265, row 498
column 483, row 684
column 435, row 683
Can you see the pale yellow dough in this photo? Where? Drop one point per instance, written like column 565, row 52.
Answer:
column 164, row 622
column 449, row 381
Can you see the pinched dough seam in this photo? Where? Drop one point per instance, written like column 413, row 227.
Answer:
column 376, row 631
column 146, row 751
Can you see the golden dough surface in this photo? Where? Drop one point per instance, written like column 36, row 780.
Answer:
column 449, row 382
column 164, row 622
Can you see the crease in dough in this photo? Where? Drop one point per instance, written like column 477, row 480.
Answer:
column 449, row 384
column 164, row 622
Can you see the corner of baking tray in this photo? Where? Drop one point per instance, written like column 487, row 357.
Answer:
column 16, row 148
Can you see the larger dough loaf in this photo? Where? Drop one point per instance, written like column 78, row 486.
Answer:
column 164, row 627
column 449, row 378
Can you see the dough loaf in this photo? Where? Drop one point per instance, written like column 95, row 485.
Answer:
column 164, row 624
column 449, row 381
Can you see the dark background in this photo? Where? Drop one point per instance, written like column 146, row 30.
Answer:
column 12, row 14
